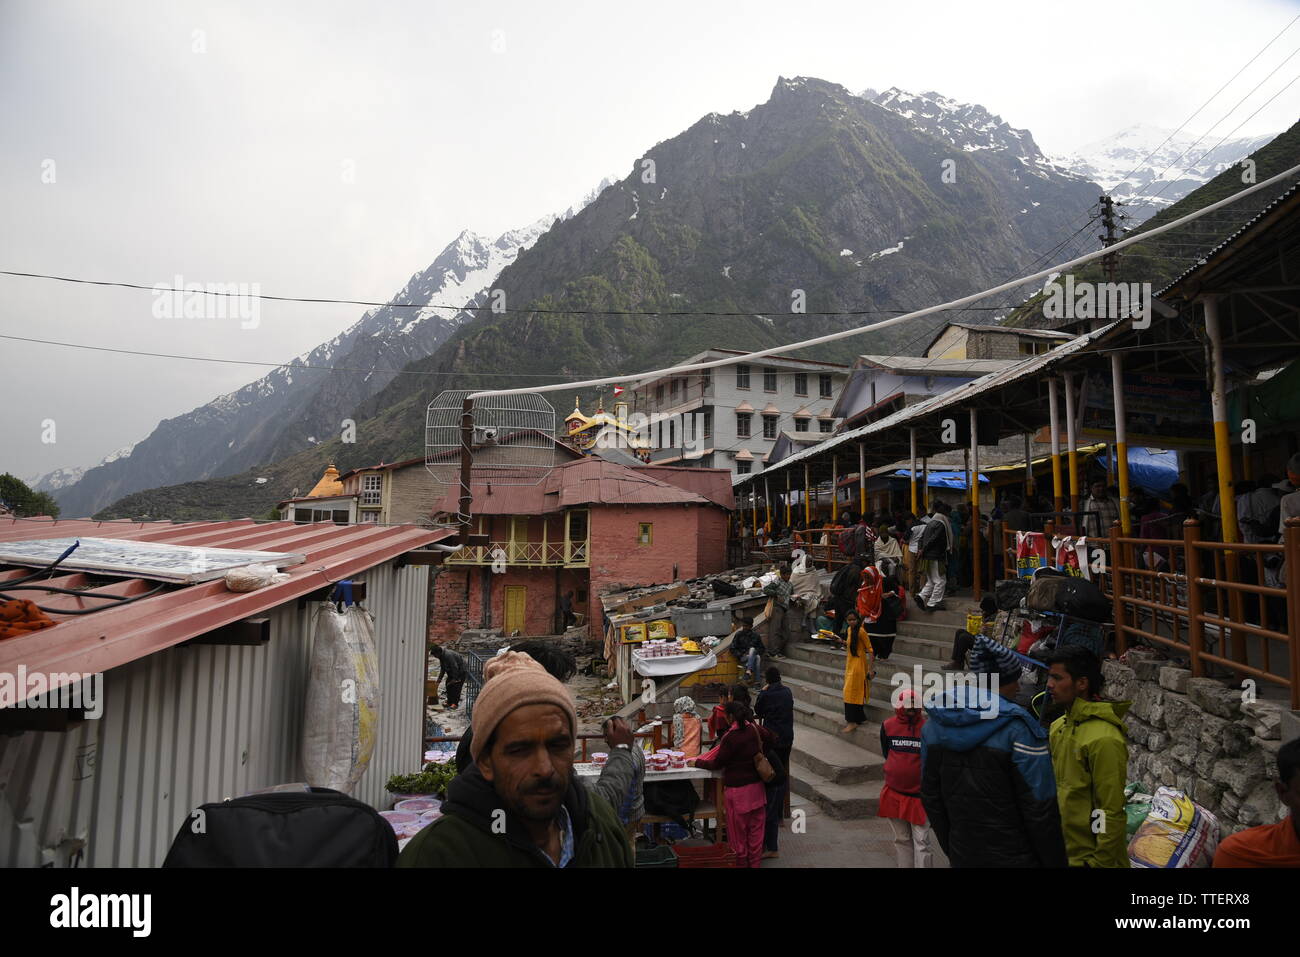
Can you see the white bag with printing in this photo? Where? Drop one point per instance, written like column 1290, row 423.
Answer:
column 341, row 719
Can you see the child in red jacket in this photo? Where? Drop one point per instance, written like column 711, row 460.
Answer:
column 900, row 797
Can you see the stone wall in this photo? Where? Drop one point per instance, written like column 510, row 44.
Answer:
column 1200, row 735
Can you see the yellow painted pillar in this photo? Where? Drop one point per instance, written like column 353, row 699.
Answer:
column 1071, row 440
column 1219, row 411
column 862, row 479
column 1058, row 490
column 1120, row 459
column 835, row 487
column 753, row 501
column 1029, row 466
column 789, row 497
column 977, row 577
column 767, row 501
column 807, row 500
column 911, row 469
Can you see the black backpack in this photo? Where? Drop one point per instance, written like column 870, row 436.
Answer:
column 317, row 828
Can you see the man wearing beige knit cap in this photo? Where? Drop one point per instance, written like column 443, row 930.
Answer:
column 520, row 804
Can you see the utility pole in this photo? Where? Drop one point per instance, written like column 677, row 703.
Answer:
column 1110, row 262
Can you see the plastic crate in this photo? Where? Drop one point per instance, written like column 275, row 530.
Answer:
column 656, row 857
column 706, row 855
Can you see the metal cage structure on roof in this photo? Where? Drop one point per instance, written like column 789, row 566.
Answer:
column 513, row 438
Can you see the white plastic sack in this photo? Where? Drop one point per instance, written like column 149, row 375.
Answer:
column 1177, row 832
column 253, row 577
column 341, row 719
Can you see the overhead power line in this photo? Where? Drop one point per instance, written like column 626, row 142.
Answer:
column 955, row 304
column 223, row 293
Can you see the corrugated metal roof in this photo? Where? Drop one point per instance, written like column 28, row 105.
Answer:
column 917, row 364
column 713, row 484
column 963, row 393
column 590, row 480
column 118, row 635
column 594, row 481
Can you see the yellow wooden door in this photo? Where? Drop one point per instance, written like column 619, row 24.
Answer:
column 516, row 596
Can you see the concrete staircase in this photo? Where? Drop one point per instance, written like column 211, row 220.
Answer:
column 843, row 773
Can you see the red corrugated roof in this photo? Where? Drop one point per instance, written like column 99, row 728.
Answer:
column 713, row 484
column 587, row 481
column 593, row 481
column 116, row 636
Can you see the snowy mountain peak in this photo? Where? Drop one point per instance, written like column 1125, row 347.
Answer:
column 1152, row 167
column 61, row 478
column 967, row 126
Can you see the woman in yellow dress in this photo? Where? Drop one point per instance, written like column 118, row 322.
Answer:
column 859, row 667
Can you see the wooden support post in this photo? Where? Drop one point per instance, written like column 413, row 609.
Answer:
column 1117, row 592
column 1053, row 412
column 1029, row 468
column 1291, row 554
column 925, row 482
column 789, row 499
column 977, row 584
column 1223, row 461
column 1120, row 458
column 1192, row 568
column 807, row 489
column 862, row 479
column 911, row 469
column 1072, row 442
column 767, row 502
column 835, row 488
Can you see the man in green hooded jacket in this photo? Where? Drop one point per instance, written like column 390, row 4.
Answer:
column 1090, row 759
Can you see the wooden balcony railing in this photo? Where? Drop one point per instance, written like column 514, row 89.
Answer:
column 563, row 554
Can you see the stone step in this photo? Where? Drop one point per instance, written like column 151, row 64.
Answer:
column 834, row 758
column 829, row 721
column 840, row 801
column 823, row 653
column 921, row 628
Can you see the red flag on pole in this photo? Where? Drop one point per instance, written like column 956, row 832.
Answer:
column 618, row 390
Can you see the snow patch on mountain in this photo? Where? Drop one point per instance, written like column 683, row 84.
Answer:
column 61, row 478
column 1153, row 167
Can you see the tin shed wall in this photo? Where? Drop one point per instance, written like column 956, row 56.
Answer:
column 198, row 724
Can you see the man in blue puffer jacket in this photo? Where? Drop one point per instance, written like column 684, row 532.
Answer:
column 986, row 781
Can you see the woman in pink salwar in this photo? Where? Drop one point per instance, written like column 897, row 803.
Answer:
column 746, row 796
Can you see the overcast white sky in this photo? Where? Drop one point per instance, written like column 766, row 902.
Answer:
column 227, row 165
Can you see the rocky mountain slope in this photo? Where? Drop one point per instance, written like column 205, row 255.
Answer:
column 301, row 404
column 817, row 195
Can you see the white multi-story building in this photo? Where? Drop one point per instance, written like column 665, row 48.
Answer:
column 731, row 416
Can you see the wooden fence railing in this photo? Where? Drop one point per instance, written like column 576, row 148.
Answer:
column 1231, row 605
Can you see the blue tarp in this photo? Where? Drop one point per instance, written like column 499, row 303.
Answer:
column 944, row 479
column 1152, row 469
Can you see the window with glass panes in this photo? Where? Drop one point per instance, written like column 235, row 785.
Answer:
column 742, row 424
column 801, row 383
column 825, row 425
column 824, row 383
column 769, row 426
column 801, row 425
column 372, row 487
column 742, row 466
column 742, row 377
column 769, row 380
column 708, row 425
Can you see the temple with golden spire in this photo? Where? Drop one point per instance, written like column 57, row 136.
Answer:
column 604, row 430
